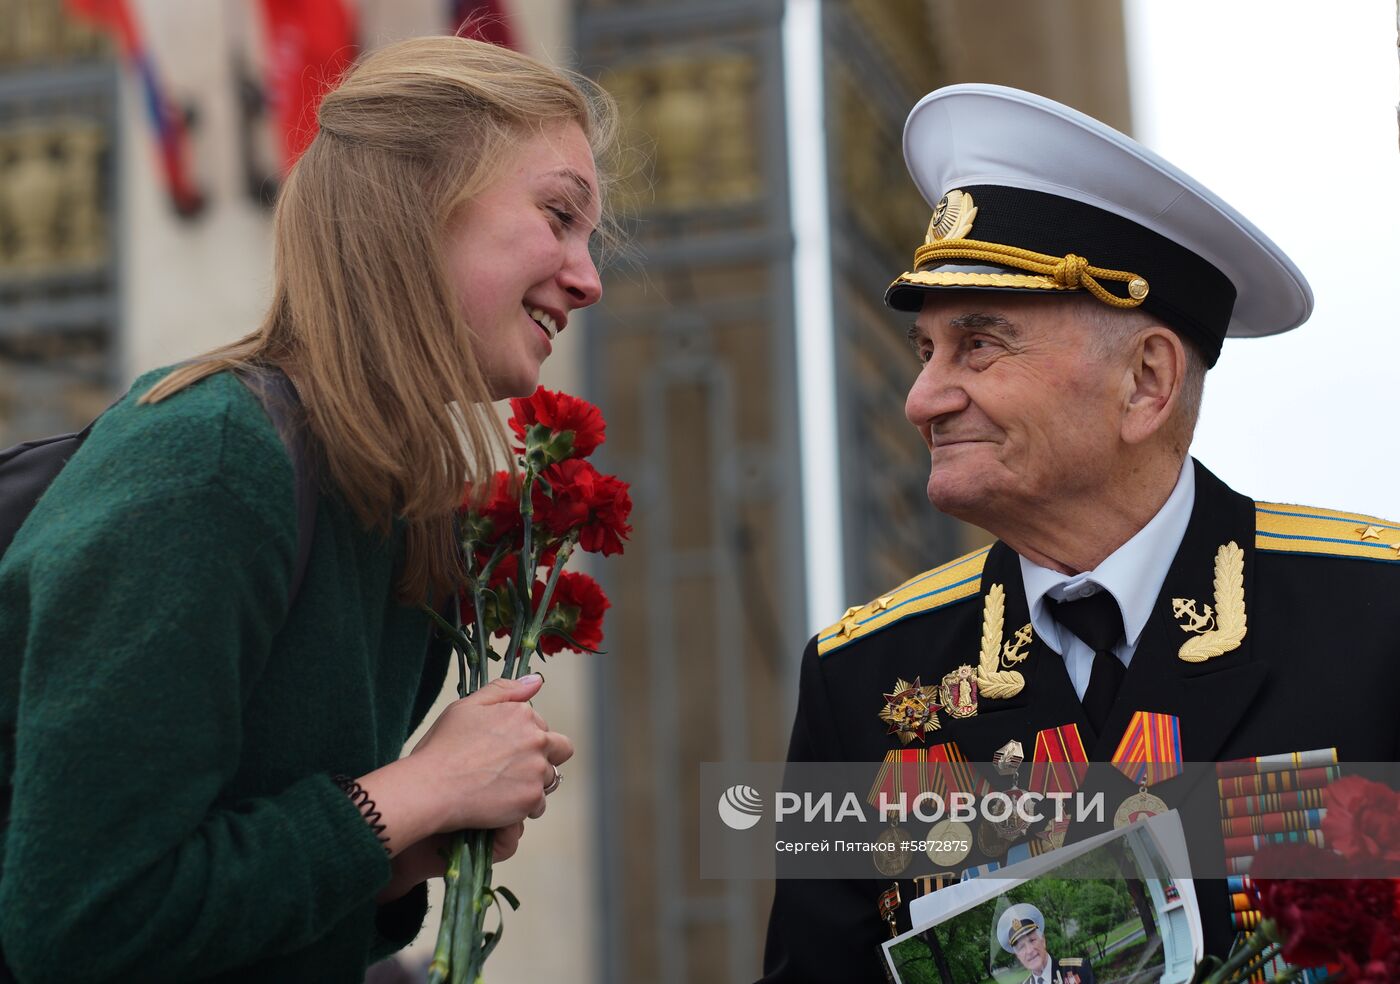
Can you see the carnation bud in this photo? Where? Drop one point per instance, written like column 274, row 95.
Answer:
column 544, row 447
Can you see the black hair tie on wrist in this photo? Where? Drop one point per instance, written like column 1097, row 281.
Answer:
column 365, row 805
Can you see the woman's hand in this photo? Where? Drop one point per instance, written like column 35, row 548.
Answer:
column 484, row 764
column 428, row 859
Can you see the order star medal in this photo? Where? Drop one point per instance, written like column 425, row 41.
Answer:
column 1149, row 753
column 911, row 711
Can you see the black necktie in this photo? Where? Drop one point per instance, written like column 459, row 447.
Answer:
column 1098, row 622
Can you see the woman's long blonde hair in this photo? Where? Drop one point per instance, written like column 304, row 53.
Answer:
column 363, row 318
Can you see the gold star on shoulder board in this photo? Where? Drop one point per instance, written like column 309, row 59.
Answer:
column 881, row 604
column 1369, row 532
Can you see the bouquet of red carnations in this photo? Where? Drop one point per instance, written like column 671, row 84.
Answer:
column 513, row 548
column 1339, row 916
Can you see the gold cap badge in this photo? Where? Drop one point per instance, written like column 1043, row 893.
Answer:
column 952, row 217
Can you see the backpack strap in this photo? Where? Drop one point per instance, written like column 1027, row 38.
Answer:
column 26, row 471
column 279, row 399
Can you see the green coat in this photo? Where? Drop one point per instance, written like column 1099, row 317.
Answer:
column 169, row 727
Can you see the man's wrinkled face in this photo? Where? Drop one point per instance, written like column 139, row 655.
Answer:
column 1018, row 408
column 1030, row 950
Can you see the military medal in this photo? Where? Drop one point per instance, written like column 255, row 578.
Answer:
column 1008, row 759
column 1138, row 806
column 1059, row 765
column 889, row 905
column 941, row 770
column 950, row 842
column 989, row 840
column 958, row 692
column 911, row 711
column 892, row 857
column 1149, row 753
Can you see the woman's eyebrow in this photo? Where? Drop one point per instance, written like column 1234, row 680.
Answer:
column 580, row 185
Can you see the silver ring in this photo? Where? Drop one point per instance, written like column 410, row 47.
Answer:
column 558, row 778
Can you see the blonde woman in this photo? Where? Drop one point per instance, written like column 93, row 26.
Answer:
column 171, row 717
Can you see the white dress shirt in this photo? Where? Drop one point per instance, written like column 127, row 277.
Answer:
column 1133, row 574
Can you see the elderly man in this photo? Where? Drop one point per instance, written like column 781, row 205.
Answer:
column 1070, row 295
column 1021, row 931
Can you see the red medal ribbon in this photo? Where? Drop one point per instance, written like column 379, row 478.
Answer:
column 1150, row 751
column 1060, row 762
column 942, row 769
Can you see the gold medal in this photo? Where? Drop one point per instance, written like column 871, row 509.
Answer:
column 893, row 855
column 958, row 692
column 1139, row 806
column 1054, row 837
column 911, row 711
column 1149, row 753
column 950, row 842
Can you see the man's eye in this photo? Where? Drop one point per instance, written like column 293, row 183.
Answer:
column 564, row 216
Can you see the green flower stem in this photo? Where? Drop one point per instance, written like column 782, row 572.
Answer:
column 483, row 638
column 1268, row 953
column 463, row 655
column 471, row 914
column 531, row 641
column 442, row 951
column 1258, row 941
column 452, row 632
column 465, row 925
column 525, row 575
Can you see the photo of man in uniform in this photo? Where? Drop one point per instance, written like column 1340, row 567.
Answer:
column 1021, row 931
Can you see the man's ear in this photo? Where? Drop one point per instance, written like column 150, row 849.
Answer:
column 1158, row 371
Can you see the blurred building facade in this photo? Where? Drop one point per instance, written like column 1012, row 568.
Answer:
column 693, row 356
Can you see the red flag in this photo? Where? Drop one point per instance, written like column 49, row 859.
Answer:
column 485, row 20
column 167, row 120
column 310, row 44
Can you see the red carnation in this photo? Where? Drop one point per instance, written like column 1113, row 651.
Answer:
column 576, row 496
column 498, row 518
column 1323, row 915
column 607, row 525
column 561, row 498
column 576, row 609
column 561, row 413
column 1363, row 820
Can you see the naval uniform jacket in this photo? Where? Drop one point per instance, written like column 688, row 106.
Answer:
column 1072, row 971
column 1318, row 667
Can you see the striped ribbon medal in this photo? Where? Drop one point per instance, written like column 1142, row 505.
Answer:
column 1149, row 753
column 1059, row 765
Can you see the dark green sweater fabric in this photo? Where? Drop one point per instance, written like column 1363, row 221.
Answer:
column 169, row 726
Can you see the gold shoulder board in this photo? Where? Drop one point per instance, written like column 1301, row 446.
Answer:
column 1283, row 528
column 954, row 581
column 1072, row 962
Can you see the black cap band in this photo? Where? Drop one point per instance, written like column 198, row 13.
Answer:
column 1187, row 292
